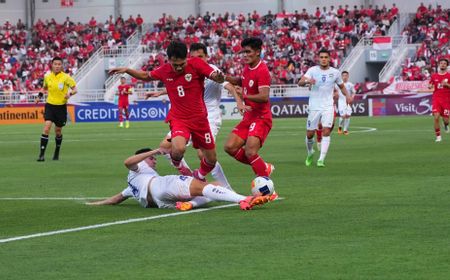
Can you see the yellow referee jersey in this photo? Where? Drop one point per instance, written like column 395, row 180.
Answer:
column 58, row 85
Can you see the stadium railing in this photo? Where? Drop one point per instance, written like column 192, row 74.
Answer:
column 86, row 67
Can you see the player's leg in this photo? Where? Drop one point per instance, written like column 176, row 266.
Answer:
column 437, row 128
column 252, row 147
column 234, row 147
column 445, row 118
column 58, row 141
column 214, row 191
column 341, row 119
column 312, row 124
column 166, row 146
column 127, row 116
column 327, row 122
column 44, row 139
column 319, row 136
column 120, row 115
column 203, row 139
column 178, row 149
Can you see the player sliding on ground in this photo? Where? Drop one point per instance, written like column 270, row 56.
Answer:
column 172, row 191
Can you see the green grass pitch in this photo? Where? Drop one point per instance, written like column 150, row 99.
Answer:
column 380, row 209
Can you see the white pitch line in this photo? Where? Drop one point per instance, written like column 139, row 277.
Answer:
column 363, row 129
column 50, row 198
column 55, row 232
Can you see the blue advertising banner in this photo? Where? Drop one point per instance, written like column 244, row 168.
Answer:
column 108, row 112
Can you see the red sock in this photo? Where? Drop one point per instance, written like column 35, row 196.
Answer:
column 438, row 132
column 240, row 156
column 205, row 167
column 258, row 165
column 319, row 135
column 120, row 117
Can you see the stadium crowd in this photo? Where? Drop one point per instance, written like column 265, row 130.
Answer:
column 26, row 54
column 291, row 40
column 430, row 29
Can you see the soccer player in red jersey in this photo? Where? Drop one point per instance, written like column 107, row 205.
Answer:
column 247, row 138
column 123, row 92
column 441, row 97
column 184, row 79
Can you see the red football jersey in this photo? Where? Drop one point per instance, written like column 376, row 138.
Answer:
column 439, row 90
column 252, row 80
column 185, row 90
column 124, row 91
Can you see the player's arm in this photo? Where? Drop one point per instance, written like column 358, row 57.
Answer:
column 262, row 96
column 306, row 81
column 217, row 76
column 113, row 200
column 348, row 97
column 132, row 162
column 237, row 94
column 156, row 94
column 237, row 81
column 138, row 74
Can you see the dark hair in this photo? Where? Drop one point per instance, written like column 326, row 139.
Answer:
column 198, row 46
column 324, row 51
column 143, row 150
column 252, row 42
column 57, row 58
column 345, row 72
column 443, row 59
column 177, row 49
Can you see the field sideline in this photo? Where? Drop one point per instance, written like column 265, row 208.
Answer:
column 379, row 210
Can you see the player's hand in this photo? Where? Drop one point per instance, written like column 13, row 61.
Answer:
column 67, row 96
column 349, row 99
column 243, row 108
column 118, row 70
column 218, row 76
column 311, row 81
column 163, row 151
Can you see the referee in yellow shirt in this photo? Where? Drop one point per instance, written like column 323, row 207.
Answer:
column 59, row 86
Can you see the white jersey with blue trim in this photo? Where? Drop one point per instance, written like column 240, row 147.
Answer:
column 138, row 183
column 321, row 94
column 350, row 89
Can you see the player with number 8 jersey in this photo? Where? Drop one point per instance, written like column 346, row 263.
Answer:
column 184, row 79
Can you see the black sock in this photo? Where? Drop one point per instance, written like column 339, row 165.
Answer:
column 58, row 141
column 44, row 142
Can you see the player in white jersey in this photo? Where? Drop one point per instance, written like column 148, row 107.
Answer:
column 345, row 109
column 321, row 80
column 173, row 191
column 212, row 97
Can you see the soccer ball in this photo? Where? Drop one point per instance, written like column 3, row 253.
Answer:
column 262, row 186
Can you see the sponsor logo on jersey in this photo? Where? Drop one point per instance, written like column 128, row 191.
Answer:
column 169, row 79
column 188, row 77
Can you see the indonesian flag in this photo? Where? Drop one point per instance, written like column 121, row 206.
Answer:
column 382, row 43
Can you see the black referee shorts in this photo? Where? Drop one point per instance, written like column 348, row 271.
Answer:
column 56, row 114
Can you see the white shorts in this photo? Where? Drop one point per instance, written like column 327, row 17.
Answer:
column 323, row 116
column 167, row 190
column 344, row 110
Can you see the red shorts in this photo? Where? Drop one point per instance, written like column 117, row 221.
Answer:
column 123, row 104
column 441, row 106
column 253, row 127
column 196, row 130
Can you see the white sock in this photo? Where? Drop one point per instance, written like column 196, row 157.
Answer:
column 325, row 144
column 346, row 124
column 218, row 174
column 199, row 201
column 309, row 145
column 221, row 194
column 341, row 121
